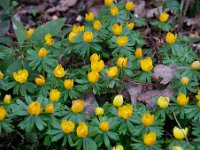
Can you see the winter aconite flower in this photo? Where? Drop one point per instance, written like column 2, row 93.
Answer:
column 89, row 16
column 7, row 99
column 93, row 76
column 122, row 40
column 97, row 66
column 198, row 95
column 163, row 102
column 42, row 53
column 150, row 138
column 78, row 28
column 21, row 76
column 97, row 25
column 99, row 111
column 171, row 38
column 180, row 133
column 118, row 100
column 122, row 62
column 195, row 65
column 104, row 126
column 130, row 25
column 112, row 72
column 94, row 58
column 163, row 17
column 125, row 111
column 177, row 148
column 1, row 75
column 54, row 95
column 48, row 39
column 40, row 80
column 77, row 106
column 198, row 103
column 29, row 33
column 72, row 36
column 3, row 113
column 147, row 119
column 87, row 37
column 34, row 108
column 114, row 10
column 146, row 64
column 117, row 29
column 182, row 99
column 108, row 2
column 49, row 108
column 67, row 126
column 138, row 53
column 129, row 6
column 59, row 71
column 118, row 147
column 82, row 130
column 185, row 80
column 69, row 84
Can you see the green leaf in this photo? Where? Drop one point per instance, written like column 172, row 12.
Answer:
column 5, row 4
column 172, row 5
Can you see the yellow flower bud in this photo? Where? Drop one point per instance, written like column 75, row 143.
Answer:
column 177, row 148
column 195, row 65
column 118, row 101
column 171, row 38
column 93, row 76
column 77, row 106
column 163, row 17
column 7, row 99
column 129, row 6
column 130, row 25
column 42, row 53
column 59, row 71
column 78, row 28
column 54, row 95
column 185, row 80
column 49, row 108
column 69, row 84
column 34, row 108
column 138, row 53
column 122, row 62
column 47, row 36
column 99, row 111
column 67, row 126
column 163, row 102
column 40, row 81
column 1, row 75
column 21, row 76
column 108, row 2
column 114, row 10
column 150, row 138
column 97, row 66
column 89, row 16
column 104, row 126
column 125, row 111
column 97, row 25
column 180, row 133
column 50, row 42
column 112, row 72
column 118, row 147
column 87, row 37
column 94, row 57
column 117, row 29
column 82, row 130
column 3, row 113
column 182, row 100
column 146, row 64
column 29, row 33
column 198, row 95
column 147, row 119
column 122, row 40
column 72, row 36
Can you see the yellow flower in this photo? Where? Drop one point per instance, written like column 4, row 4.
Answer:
column 42, row 53
column 195, row 65
column 112, row 72
column 48, row 39
column 94, row 57
column 163, row 17
column 185, row 80
column 122, row 62
column 171, row 38
column 97, row 66
column 54, row 95
column 67, row 126
column 118, row 101
column 29, row 33
column 198, row 103
column 34, row 108
column 49, row 108
column 198, row 95
column 40, row 81
column 87, row 37
column 182, row 100
column 138, row 53
column 89, row 16
column 114, row 10
column 21, row 76
column 7, row 99
column 118, row 147
column 163, row 102
column 82, row 130
column 78, row 28
column 125, row 111
column 117, row 29
column 72, row 35
column 77, row 106
column 99, row 111
column 59, row 71
column 180, row 133
column 150, row 138
column 104, row 126
column 93, row 76
column 97, row 25
column 108, row 2
column 1, row 75
column 130, row 6
column 3, row 113
column 177, row 148
column 146, row 64
column 47, row 36
column 69, row 84
column 130, row 25
column 122, row 40
column 147, row 119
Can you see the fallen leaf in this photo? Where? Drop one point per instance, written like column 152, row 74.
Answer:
column 89, row 104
